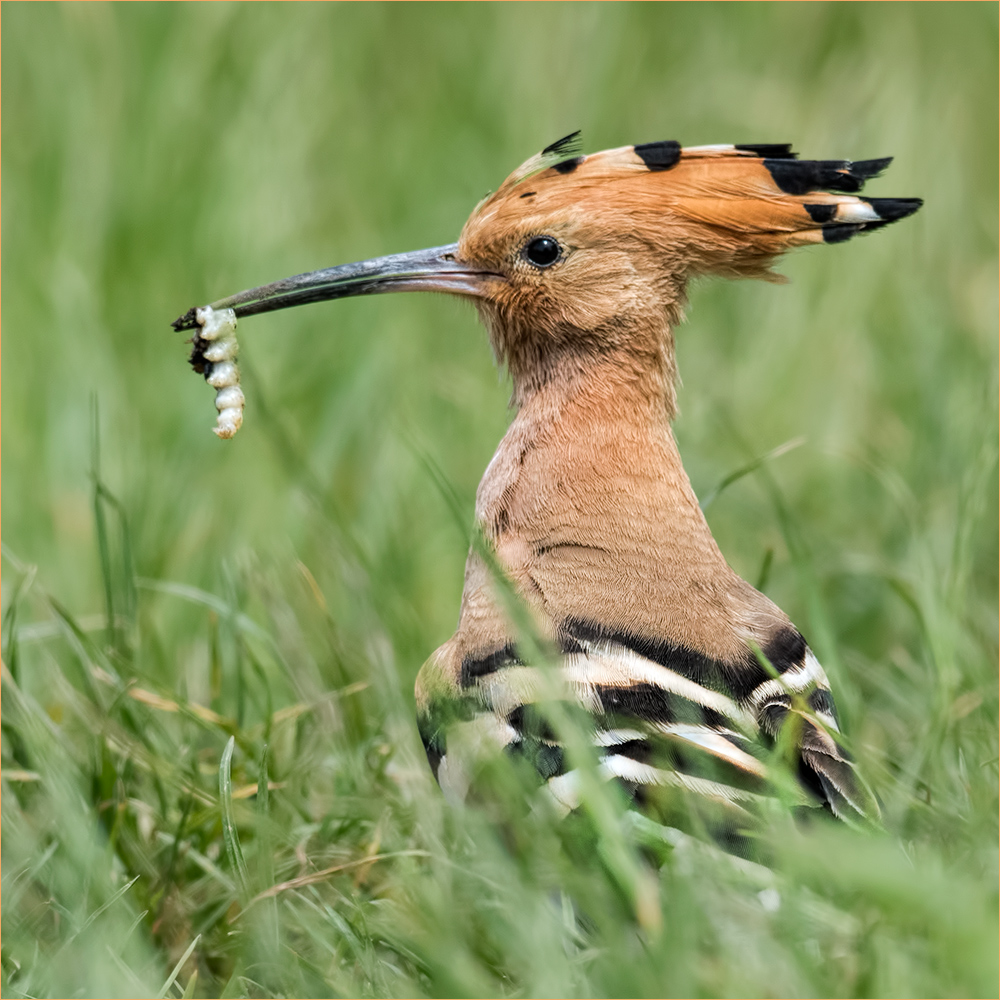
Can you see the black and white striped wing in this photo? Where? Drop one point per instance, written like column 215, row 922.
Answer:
column 672, row 727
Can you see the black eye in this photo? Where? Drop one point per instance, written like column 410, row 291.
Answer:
column 542, row 251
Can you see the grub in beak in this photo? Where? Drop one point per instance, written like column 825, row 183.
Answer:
column 214, row 346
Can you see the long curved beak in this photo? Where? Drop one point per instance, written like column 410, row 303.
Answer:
column 434, row 270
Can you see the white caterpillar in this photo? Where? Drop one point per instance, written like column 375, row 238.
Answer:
column 213, row 354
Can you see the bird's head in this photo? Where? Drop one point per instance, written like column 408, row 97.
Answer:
column 582, row 259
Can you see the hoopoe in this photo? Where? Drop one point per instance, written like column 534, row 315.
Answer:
column 578, row 266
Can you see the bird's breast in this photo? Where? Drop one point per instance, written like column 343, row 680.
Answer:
column 598, row 522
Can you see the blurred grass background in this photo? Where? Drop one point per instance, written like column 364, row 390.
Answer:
column 163, row 590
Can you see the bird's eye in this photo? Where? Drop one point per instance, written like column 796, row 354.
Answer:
column 543, row 251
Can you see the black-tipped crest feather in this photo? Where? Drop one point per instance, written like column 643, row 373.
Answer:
column 659, row 155
column 802, row 176
column 568, row 145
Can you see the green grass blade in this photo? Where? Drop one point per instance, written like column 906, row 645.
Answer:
column 229, row 832
column 751, row 466
column 177, row 968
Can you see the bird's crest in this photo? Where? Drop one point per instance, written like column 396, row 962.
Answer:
column 732, row 208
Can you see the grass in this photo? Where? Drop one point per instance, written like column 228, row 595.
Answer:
column 183, row 617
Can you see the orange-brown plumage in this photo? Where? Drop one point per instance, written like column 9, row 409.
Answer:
column 579, row 268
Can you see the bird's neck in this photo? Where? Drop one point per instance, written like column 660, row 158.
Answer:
column 597, row 432
column 620, row 360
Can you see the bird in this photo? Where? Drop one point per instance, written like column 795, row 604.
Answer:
column 688, row 679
